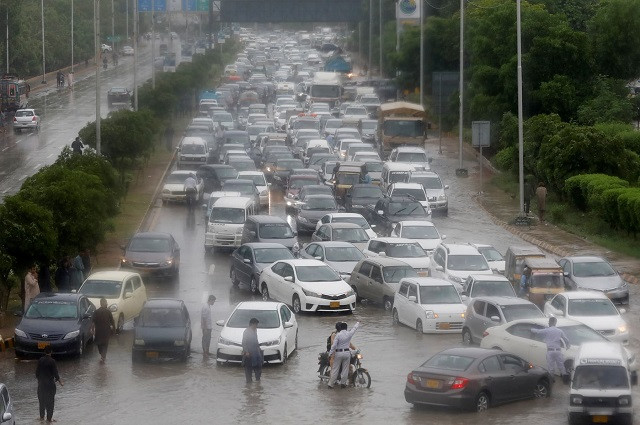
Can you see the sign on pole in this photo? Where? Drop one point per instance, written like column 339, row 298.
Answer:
column 481, row 134
column 145, row 5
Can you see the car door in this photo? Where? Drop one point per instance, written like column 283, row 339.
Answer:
column 288, row 288
column 568, row 276
column 86, row 316
column 128, row 300
column 413, row 307
column 140, row 294
column 176, row 253
column 497, row 379
column 524, row 343
column 244, row 270
column 275, row 281
column 289, row 333
column 475, row 319
column 361, row 278
column 556, row 306
column 437, row 265
column 467, row 289
column 375, row 284
column 400, row 301
column 187, row 326
column 522, row 383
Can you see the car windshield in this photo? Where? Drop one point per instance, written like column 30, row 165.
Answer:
column 320, row 159
column 243, row 188
column 240, row 138
column 360, row 221
column 420, row 232
column 405, row 250
column 369, row 125
column 448, row 362
column 598, row 377
column 161, row 317
column 490, row 253
column 591, row 307
column 467, row 262
column 402, row 128
column 406, row 208
column 491, row 288
column 520, row 311
column 393, row 274
column 439, row 295
column 226, row 173
column 417, row 194
column 94, row 288
column 48, row 309
column 579, row 334
column 593, row 269
column 316, row 274
column 367, row 192
column 374, row 167
column 257, row 179
column 227, row 215
column 546, row 280
column 398, row 177
column 149, row 245
column 297, row 183
column 350, row 235
column 346, row 253
column 427, row 182
column 271, row 255
column 267, row 319
column 348, row 179
column 222, row 117
column 411, row 157
column 176, row 178
column 312, row 203
column 275, row 231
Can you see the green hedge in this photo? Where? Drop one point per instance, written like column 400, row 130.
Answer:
column 584, row 190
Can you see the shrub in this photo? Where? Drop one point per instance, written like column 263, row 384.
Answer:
column 583, row 190
column 507, row 158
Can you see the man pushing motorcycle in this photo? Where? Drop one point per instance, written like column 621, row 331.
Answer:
column 341, row 347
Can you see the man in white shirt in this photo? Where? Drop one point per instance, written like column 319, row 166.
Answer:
column 207, row 324
column 342, row 358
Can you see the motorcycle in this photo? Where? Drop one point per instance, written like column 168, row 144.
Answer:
column 359, row 378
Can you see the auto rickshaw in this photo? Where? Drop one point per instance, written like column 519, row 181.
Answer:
column 348, row 174
column 546, row 280
column 514, row 262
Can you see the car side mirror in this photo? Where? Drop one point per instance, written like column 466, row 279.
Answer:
column 443, row 237
column 495, row 319
column 127, row 295
column 622, row 310
column 464, row 297
column 86, row 316
column 565, row 274
column 446, row 187
column 413, row 299
column 246, row 260
column 288, row 278
column 220, row 323
column 380, row 212
column 439, row 268
column 6, row 417
column 634, row 378
column 287, row 325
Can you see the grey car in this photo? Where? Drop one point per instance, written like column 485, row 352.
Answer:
column 267, row 228
column 377, row 279
column 486, row 312
column 7, row 415
column 596, row 274
column 345, row 232
column 313, row 209
column 248, row 261
column 340, row 256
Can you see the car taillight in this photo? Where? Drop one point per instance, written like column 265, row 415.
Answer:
column 410, row 379
column 33, row 119
column 14, row 119
column 485, row 333
column 459, row 383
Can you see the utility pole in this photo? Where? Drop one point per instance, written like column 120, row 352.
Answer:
column 421, row 53
column 153, row 44
column 113, row 29
column 7, row 44
column 370, row 38
column 72, row 36
column 380, row 36
column 98, row 51
column 44, row 80
column 135, row 55
column 461, row 87
column 127, row 17
column 520, row 113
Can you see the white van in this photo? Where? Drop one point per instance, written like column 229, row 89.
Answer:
column 226, row 222
column 395, row 172
column 601, row 385
column 192, row 152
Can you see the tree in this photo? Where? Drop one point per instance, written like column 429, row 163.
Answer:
column 92, row 163
column 609, row 103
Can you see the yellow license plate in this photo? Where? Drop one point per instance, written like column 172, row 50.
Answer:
column 445, row 326
column 423, row 274
column 152, row 354
column 334, row 304
column 432, row 383
column 42, row 345
column 600, row 419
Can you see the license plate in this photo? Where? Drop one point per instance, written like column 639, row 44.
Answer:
column 600, row 419
column 152, row 354
column 423, row 274
column 445, row 326
column 432, row 383
column 334, row 304
column 42, row 345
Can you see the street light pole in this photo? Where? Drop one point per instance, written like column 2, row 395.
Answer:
column 113, row 29
column 520, row 114
column 72, row 36
column 127, row 17
column 135, row 55
column 380, row 36
column 44, row 81
column 421, row 53
column 370, row 38
column 7, row 44
column 461, row 87
column 98, row 51
column 153, row 44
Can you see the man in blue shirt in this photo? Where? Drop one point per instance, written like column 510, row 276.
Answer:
column 341, row 348
column 554, row 338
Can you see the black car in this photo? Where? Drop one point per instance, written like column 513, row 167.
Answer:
column 248, row 261
column 389, row 210
column 162, row 330
column 62, row 321
column 214, row 175
column 118, row 95
column 361, row 195
column 152, row 253
column 475, row 379
column 313, row 209
column 282, row 170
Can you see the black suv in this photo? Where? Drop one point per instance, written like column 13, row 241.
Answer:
column 362, row 195
column 390, row 210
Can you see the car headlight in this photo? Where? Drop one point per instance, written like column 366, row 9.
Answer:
column 456, row 279
column 268, row 168
column 311, row 293
column 20, row 333
column 167, row 191
column 138, row 341
column 167, row 262
column 72, row 335
column 576, row 400
column 430, row 314
column 622, row 329
column 442, row 197
column 303, row 219
column 113, row 308
column 624, row 400
column 178, row 342
column 124, row 261
column 350, row 293
column 224, row 341
column 271, row 343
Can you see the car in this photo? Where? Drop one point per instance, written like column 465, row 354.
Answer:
column 282, row 170
column 213, row 197
column 7, row 413
column 242, row 163
column 485, row 312
column 361, row 195
column 61, row 321
column 297, row 183
column 124, row 291
column 105, row 48
column 163, row 329
column 516, row 337
column 266, row 228
column 414, row 191
column 173, row 189
column 152, row 253
column 483, row 285
column 377, row 279
column 475, row 379
column 438, row 200
column 411, row 155
column 246, row 187
column 118, row 95
column 456, row 262
column 214, row 175
column 314, row 189
column 277, row 332
column 493, row 257
column 307, row 285
column 248, row 261
column 26, row 119
column 406, row 250
column 384, row 215
column 428, row 305
column 424, row 232
column 313, row 208
column 592, row 308
column 346, row 232
column 345, row 217
column 127, row 51
column 260, row 181
column 595, row 273
column 341, row 256
column 192, row 152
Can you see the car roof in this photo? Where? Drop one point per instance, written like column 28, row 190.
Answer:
column 343, row 225
column 152, row 235
column 238, row 181
column 386, row 261
column 410, row 149
column 400, row 185
column 600, row 350
column 425, row 174
column 58, row 296
column 185, row 173
column 334, row 244
column 489, row 277
column 163, row 303
column 265, row 245
column 304, row 262
column 426, row 281
column 395, row 240
column 116, row 275
column 459, row 248
column 581, row 295
column 543, row 321
column 320, row 196
column 503, row 300
column 232, row 202
column 258, row 305
column 585, row 259
column 400, row 166
column 417, row 223
column 475, row 352
column 266, row 219
column 345, row 215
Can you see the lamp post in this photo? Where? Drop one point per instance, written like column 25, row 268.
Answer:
column 44, row 81
column 127, row 17
column 153, row 44
column 421, row 53
column 97, row 53
column 72, row 36
column 520, row 124
column 461, row 88
column 370, row 38
column 135, row 55
column 7, row 44
column 113, row 29
column 380, row 36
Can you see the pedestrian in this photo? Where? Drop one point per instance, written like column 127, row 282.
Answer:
column 554, row 338
column 31, row 288
column 524, row 281
column 77, row 272
column 44, row 277
column 342, row 360
column 58, row 78
column 70, row 80
column 77, row 146
column 62, row 278
column 541, row 195
column 47, row 375
column 528, row 193
column 252, row 357
column 207, row 324
column 85, row 255
column 168, row 137
column 104, row 326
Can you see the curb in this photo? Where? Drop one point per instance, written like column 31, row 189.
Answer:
column 156, row 192
column 5, row 344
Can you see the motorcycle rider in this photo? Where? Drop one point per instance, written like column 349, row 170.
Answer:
column 190, row 189
column 341, row 347
column 104, row 62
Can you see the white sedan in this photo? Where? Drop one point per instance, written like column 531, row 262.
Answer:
column 347, row 218
column 307, row 285
column 594, row 309
column 516, row 337
column 277, row 331
column 173, row 189
column 407, row 250
column 26, row 119
column 124, row 291
column 260, row 181
column 424, row 232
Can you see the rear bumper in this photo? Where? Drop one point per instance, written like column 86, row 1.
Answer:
column 455, row 399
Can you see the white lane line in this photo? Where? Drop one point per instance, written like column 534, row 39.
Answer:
column 23, row 177
column 4, row 149
column 18, row 141
column 212, row 269
column 50, row 155
column 35, row 167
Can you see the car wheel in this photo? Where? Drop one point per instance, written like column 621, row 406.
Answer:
column 482, row 402
column 284, row 355
column 419, row 326
column 234, row 277
column 542, row 389
column 295, row 303
column 568, row 366
column 295, row 347
column 120, row 323
column 467, row 339
column 136, row 356
column 265, row 292
column 396, row 318
column 358, row 299
column 387, row 303
column 80, row 350
column 254, row 286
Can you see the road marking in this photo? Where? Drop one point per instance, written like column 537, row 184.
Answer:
column 35, row 167
column 50, row 155
column 212, row 269
column 18, row 141
column 23, row 177
column 4, row 149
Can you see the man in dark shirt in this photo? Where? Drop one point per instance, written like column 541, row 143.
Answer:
column 47, row 375
column 104, row 326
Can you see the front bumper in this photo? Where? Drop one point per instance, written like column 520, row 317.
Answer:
column 230, row 240
column 233, row 354
column 36, row 347
column 151, row 269
column 443, row 325
column 314, row 304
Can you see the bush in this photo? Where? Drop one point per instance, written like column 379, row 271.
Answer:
column 608, row 206
column 507, row 158
column 583, row 191
column 629, row 210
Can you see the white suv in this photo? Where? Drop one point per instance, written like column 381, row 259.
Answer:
column 455, row 262
column 412, row 190
column 432, row 184
column 411, row 155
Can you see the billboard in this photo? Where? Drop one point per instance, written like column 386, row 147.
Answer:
column 175, row 5
column 196, row 5
column 158, row 5
column 290, row 10
column 408, row 11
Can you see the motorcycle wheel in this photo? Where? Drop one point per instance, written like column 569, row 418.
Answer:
column 361, row 379
column 324, row 373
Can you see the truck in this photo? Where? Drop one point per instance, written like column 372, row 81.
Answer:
column 326, row 87
column 401, row 124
